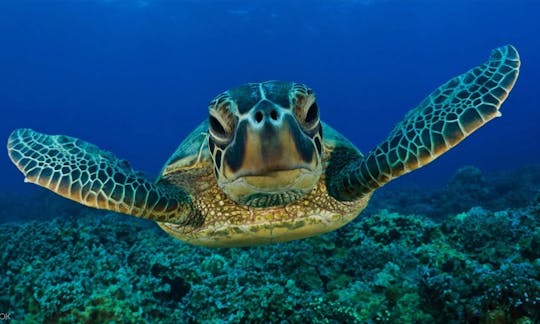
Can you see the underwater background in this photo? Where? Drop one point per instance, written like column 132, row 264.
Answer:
column 457, row 241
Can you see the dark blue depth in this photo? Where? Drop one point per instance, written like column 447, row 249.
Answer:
column 135, row 77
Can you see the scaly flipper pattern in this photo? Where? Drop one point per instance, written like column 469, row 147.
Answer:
column 448, row 115
column 84, row 173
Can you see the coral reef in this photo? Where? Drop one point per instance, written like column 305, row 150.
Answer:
column 468, row 188
column 479, row 265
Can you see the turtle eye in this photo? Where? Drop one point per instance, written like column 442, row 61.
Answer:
column 221, row 119
column 217, row 128
column 221, row 124
column 308, row 115
column 312, row 114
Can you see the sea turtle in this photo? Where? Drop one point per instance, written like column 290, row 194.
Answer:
column 263, row 168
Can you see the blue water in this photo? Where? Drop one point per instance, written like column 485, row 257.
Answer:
column 135, row 77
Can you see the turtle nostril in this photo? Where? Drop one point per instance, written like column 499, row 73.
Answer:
column 258, row 116
column 273, row 114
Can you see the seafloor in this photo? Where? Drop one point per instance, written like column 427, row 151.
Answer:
column 468, row 252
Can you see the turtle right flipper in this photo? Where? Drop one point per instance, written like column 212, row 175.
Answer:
column 448, row 115
column 86, row 174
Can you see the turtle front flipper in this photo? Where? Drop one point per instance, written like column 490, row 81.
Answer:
column 86, row 174
column 440, row 122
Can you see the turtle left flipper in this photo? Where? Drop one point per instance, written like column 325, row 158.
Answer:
column 93, row 177
column 448, row 115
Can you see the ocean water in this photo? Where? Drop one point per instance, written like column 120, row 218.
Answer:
column 135, row 77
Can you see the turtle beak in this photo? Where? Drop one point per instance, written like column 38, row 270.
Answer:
column 269, row 141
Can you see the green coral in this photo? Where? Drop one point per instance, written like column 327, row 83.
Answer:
column 386, row 267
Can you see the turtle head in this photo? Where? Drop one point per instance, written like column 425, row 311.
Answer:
column 266, row 142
